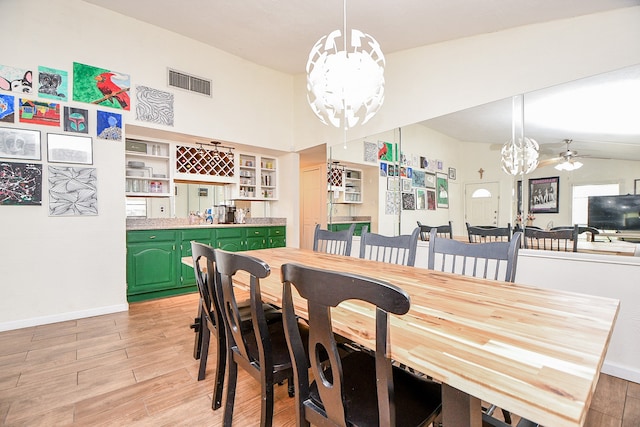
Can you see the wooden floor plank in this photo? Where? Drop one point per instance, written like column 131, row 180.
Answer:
column 136, row 369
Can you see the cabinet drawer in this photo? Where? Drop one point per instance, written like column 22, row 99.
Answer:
column 256, row 232
column 151, row 236
column 277, row 231
column 222, row 233
column 199, row 235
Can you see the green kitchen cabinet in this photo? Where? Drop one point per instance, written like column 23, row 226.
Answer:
column 277, row 237
column 257, row 238
column 152, row 263
column 346, row 225
column 232, row 239
column 201, row 235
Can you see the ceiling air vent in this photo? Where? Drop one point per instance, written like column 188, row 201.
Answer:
column 188, row 82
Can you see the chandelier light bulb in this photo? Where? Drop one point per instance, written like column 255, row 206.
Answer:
column 345, row 88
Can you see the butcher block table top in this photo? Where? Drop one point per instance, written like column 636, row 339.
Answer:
column 535, row 352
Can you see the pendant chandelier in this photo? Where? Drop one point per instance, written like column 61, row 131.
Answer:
column 519, row 155
column 345, row 88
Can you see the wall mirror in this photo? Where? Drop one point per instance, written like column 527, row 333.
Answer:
column 598, row 114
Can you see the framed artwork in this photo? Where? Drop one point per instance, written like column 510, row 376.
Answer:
column 387, row 152
column 543, row 195
column 636, row 186
column 431, row 200
column 430, row 180
column 100, row 86
column 69, row 149
column 424, row 162
column 393, row 184
column 7, row 108
column 408, row 201
column 154, row 106
column 421, row 198
column 76, row 120
column 39, row 112
column 406, row 184
column 418, row 178
column 442, row 190
column 383, row 169
column 52, row 83
column 109, row 125
column 72, row 191
column 17, row 80
column 370, row 152
column 20, row 144
column 452, row 174
column 20, row 184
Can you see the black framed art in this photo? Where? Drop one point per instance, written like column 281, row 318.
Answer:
column 544, row 195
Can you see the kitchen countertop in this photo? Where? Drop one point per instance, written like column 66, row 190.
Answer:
column 349, row 219
column 168, row 223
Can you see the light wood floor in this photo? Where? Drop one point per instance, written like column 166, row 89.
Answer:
column 137, row 368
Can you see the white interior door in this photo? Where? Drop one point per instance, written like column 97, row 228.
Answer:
column 482, row 203
column 313, row 204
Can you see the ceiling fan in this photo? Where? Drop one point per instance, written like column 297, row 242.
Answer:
column 566, row 160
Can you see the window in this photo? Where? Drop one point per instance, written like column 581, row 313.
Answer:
column 481, row 193
column 581, row 193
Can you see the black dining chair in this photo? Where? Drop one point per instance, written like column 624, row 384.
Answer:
column 483, row 234
column 392, row 249
column 333, row 242
column 591, row 231
column 209, row 321
column 558, row 240
column 261, row 350
column 443, row 230
column 489, row 260
column 361, row 388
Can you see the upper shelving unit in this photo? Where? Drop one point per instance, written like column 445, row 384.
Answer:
column 147, row 169
column 257, row 178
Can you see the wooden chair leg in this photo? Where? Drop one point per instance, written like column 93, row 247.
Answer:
column 231, row 390
column 205, row 337
column 266, row 411
column 221, row 364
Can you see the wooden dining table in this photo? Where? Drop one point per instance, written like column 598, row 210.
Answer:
column 535, row 352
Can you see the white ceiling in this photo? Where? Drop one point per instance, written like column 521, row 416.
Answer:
column 280, row 33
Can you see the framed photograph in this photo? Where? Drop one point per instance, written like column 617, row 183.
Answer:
column 543, row 195
column 20, row 144
column 442, row 190
column 69, row 149
column 636, row 186
column 452, row 174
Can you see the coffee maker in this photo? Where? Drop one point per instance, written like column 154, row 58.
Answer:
column 230, row 215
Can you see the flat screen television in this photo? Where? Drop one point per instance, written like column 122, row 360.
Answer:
column 615, row 212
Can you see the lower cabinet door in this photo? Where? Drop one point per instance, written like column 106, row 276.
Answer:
column 256, row 243
column 151, row 267
column 231, row 245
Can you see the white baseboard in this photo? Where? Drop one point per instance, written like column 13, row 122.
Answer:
column 62, row 317
column 624, row 372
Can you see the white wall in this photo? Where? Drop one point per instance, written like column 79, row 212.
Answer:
column 63, row 268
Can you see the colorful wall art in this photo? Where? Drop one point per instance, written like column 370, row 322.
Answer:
column 7, row 108
column 20, row 144
column 39, row 112
column 442, row 190
column 16, row 79
column 20, row 184
column 109, row 125
column 76, row 120
column 100, row 86
column 72, row 191
column 154, row 106
column 53, row 84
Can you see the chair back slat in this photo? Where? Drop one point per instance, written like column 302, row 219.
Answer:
column 333, row 242
column 392, row 249
column 491, row 260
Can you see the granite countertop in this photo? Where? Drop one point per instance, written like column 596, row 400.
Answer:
column 349, row 219
column 167, row 223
